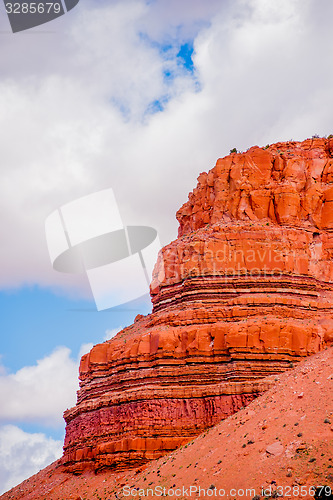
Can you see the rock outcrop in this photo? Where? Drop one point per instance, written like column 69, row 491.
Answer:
column 244, row 292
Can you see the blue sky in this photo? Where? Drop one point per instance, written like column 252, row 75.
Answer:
column 36, row 321
column 139, row 97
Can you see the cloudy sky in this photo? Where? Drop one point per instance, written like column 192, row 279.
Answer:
column 140, row 96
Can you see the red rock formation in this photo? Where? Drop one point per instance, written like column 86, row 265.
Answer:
column 290, row 184
column 245, row 290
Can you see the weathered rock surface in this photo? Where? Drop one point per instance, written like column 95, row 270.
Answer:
column 290, row 184
column 244, row 292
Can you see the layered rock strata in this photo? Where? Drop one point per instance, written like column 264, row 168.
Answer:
column 244, row 292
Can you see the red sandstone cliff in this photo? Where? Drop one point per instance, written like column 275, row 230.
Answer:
column 245, row 291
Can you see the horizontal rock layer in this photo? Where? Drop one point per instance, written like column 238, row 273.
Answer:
column 239, row 296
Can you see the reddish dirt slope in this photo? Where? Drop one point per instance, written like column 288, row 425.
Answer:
column 283, row 439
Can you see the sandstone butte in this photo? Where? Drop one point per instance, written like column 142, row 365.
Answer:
column 245, row 292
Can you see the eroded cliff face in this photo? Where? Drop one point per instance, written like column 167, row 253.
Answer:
column 244, row 292
column 290, row 184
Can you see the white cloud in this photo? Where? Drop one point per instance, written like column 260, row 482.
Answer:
column 42, row 392
column 77, row 122
column 22, row 454
column 84, row 349
column 111, row 333
column 37, row 395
